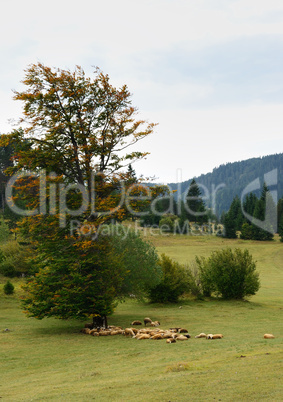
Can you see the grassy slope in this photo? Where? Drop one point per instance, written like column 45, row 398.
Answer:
column 51, row 360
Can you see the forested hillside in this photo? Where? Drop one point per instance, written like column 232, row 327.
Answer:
column 231, row 179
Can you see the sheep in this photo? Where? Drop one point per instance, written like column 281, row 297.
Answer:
column 116, row 332
column 182, row 330
column 215, row 336
column 175, row 329
column 143, row 336
column 167, row 335
column 114, row 327
column 201, row 335
column 268, row 336
column 209, row 336
column 156, row 336
column 136, row 322
column 155, row 323
column 104, row 333
column 85, row 331
column 170, row 340
column 147, row 320
column 129, row 331
column 181, row 338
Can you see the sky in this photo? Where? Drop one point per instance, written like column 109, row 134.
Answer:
column 209, row 72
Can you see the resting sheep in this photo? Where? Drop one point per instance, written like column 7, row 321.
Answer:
column 155, row 323
column 215, row 336
column 268, row 336
column 201, row 335
column 181, row 338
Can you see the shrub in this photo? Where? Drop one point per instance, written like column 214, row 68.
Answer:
column 168, row 223
column 230, row 274
column 9, row 288
column 138, row 260
column 175, row 282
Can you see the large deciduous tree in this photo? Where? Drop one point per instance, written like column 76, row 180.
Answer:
column 75, row 140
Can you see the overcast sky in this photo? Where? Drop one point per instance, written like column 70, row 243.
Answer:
column 210, row 72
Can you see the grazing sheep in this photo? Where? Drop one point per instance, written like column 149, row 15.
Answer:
column 201, row 335
column 268, row 336
column 129, row 331
column 136, row 322
column 209, row 336
column 170, row 340
column 147, row 321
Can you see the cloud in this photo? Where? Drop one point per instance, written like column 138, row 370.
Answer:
column 210, row 72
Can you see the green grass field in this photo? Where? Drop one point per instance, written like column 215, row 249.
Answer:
column 52, row 360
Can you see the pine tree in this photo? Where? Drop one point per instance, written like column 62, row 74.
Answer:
column 264, row 211
column 194, row 204
column 234, row 219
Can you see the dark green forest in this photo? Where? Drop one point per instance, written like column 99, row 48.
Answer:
column 231, row 179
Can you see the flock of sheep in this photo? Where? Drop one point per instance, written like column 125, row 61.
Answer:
column 151, row 332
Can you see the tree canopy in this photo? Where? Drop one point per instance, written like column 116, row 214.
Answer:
column 75, row 140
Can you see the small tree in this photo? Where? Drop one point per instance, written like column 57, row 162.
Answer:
column 9, row 288
column 175, row 281
column 230, row 274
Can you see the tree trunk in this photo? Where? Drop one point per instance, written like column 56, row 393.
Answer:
column 100, row 322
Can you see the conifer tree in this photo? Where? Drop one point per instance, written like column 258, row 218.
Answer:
column 194, row 204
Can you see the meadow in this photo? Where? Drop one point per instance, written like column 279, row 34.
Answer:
column 51, row 360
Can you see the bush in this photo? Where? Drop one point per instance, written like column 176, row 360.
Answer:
column 230, row 274
column 9, row 288
column 175, row 282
